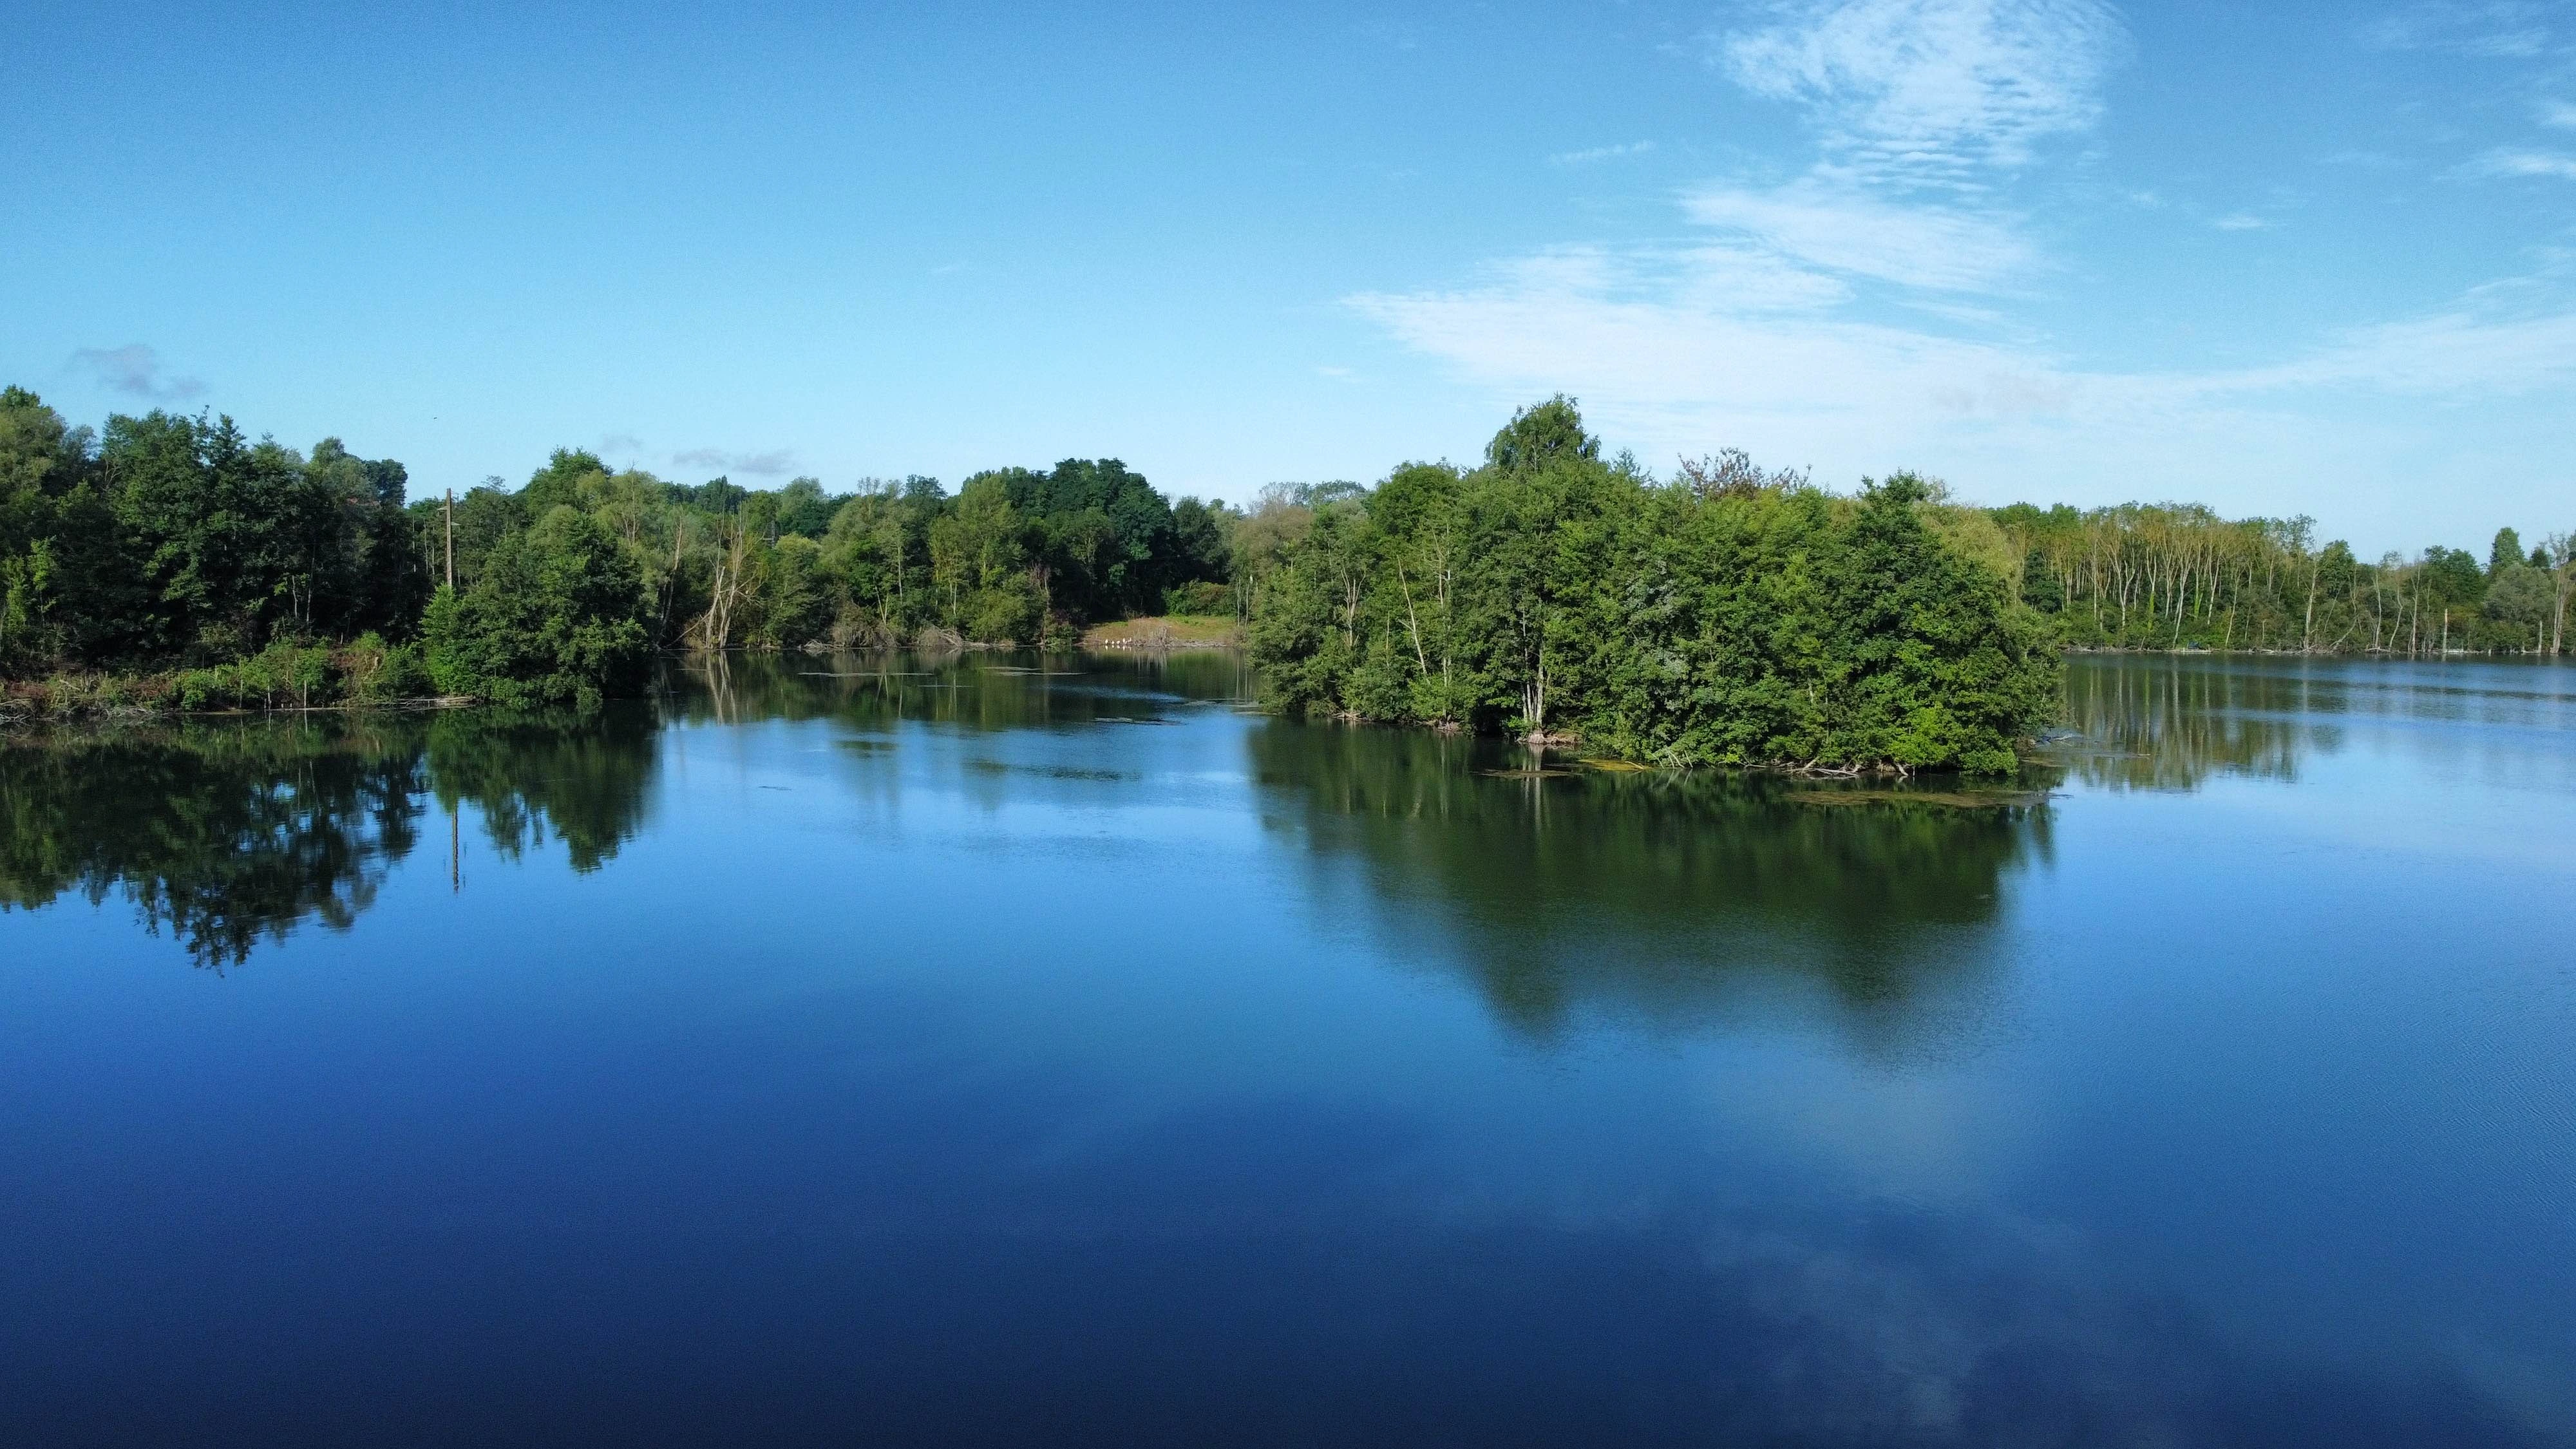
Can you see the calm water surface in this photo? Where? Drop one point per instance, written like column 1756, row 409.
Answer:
column 1053, row 1052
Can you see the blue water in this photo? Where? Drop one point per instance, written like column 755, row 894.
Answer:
column 1055, row 1052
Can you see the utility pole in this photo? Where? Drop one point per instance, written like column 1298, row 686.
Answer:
column 451, row 540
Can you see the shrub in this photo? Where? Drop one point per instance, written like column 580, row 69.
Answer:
column 557, row 616
column 1198, row 597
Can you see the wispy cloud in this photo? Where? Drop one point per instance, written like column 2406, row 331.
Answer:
column 2559, row 114
column 1923, row 110
column 1827, row 222
column 1600, row 153
column 768, row 464
column 2467, row 351
column 1862, row 313
column 626, row 443
column 2524, row 163
column 1932, row 91
column 135, row 369
column 1669, row 359
column 2507, row 29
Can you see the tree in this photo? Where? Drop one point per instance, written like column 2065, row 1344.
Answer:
column 1540, row 434
column 557, row 616
column 2521, row 598
column 2039, row 584
column 979, row 557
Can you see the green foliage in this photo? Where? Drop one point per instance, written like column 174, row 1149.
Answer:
column 179, row 542
column 1551, row 593
column 376, row 672
column 1201, row 596
column 176, row 549
column 175, row 539
column 2519, row 599
column 558, row 616
column 2170, row 576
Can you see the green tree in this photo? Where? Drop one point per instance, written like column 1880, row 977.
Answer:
column 558, row 616
column 2520, row 598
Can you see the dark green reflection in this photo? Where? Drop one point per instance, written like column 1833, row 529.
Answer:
column 577, row 778
column 220, row 833
column 979, row 690
column 227, row 833
column 1659, row 892
column 2168, row 724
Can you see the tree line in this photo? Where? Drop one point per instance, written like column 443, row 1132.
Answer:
column 1721, row 615
column 2179, row 576
column 168, row 558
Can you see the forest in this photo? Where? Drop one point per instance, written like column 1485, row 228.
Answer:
column 2177, row 576
column 1719, row 614
column 171, row 561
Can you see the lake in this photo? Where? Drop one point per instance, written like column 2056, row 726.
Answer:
column 1054, row 1050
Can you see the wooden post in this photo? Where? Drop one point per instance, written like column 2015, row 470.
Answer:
column 451, row 540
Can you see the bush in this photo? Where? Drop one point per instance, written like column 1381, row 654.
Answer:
column 1199, row 597
column 378, row 673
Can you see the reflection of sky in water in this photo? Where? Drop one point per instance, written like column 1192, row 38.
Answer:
column 974, row 1063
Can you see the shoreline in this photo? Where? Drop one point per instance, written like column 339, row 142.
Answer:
column 137, row 697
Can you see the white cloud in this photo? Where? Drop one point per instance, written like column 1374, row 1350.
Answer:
column 2525, row 163
column 1863, row 315
column 764, row 464
column 1931, row 91
column 1922, row 109
column 1600, row 153
column 1668, row 359
column 2467, row 352
column 2559, row 114
column 134, row 369
column 1664, row 344
column 2507, row 29
column 1843, row 228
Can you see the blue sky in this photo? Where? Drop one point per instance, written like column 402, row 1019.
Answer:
column 2281, row 259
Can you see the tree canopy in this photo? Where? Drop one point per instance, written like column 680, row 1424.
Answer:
column 1554, row 594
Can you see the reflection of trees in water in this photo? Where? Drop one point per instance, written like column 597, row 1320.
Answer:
column 979, row 690
column 1665, row 893
column 530, row 776
column 2168, row 724
column 227, row 832
column 219, row 833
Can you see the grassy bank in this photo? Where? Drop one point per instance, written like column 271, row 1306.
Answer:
column 1169, row 631
column 365, row 673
